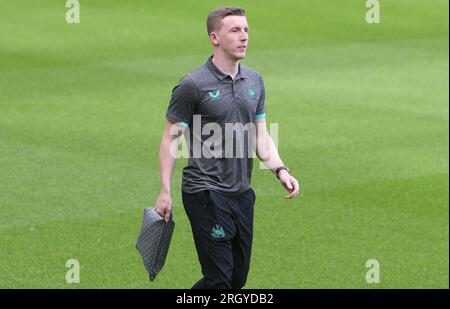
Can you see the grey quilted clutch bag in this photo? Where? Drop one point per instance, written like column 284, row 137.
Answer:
column 154, row 240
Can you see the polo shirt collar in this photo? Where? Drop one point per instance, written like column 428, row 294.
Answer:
column 219, row 74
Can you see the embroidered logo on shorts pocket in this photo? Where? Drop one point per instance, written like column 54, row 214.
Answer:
column 218, row 232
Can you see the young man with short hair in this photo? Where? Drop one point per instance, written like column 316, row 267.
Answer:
column 216, row 191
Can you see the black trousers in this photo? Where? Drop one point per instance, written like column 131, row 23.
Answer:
column 222, row 226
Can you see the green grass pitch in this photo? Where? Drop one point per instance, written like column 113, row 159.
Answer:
column 363, row 123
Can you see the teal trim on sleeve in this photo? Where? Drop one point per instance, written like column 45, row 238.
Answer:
column 184, row 124
column 259, row 116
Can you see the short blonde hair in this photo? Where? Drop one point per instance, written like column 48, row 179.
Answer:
column 215, row 17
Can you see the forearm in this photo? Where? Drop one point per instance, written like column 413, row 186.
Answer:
column 166, row 166
column 168, row 154
column 268, row 153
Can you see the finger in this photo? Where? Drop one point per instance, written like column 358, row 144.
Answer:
column 167, row 215
column 296, row 187
column 291, row 191
column 159, row 212
column 288, row 184
column 295, row 190
column 290, row 196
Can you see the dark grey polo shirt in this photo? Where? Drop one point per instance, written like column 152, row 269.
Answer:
column 220, row 102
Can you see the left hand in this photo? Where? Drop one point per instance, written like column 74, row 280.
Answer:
column 290, row 183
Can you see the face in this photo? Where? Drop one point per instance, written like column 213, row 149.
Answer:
column 232, row 37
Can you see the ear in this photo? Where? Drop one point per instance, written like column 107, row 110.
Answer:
column 214, row 38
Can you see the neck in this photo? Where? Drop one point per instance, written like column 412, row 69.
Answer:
column 225, row 64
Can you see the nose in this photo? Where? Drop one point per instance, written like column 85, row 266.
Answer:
column 244, row 37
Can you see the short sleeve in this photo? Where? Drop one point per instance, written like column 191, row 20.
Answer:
column 261, row 107
column 182, row 103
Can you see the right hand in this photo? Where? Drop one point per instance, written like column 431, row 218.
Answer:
column 164, row 206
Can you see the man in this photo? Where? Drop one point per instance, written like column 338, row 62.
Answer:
column 216, row 191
